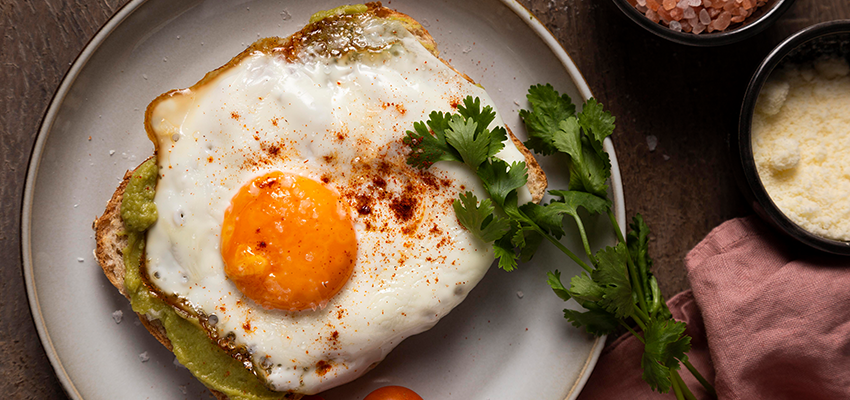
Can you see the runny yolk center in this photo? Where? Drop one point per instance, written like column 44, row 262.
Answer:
column 288, row 242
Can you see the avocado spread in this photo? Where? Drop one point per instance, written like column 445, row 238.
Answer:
column 209, row 363
column 341, row 10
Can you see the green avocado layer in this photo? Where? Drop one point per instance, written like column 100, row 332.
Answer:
column 341, row 10
column 209, row 363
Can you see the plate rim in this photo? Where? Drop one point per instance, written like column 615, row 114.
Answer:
column 94, row 44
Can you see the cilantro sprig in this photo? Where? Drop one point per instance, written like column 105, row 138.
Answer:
column 616, row 288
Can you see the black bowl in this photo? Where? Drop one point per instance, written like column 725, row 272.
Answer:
column 806, row 45
column 759, row 21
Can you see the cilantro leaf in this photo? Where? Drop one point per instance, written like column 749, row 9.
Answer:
column 665, row 345
column 567, row 138
column 430, row 146
column 637, row 241
column 504, row 251
column 569, row 203
column 554, row 280
column 548, row 108
column 595, row 321
column 532, row 242
column 612, row 276
column 572, row 200
column 547, row 217
column 591, row 173
column 480, row 218
column 471, row 110
column 585, row 290
column 473, row 148
column 553, row 126
column 500, row 179
column 597, row 123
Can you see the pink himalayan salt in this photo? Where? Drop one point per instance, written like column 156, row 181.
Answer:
column 722, row 21
column 676, row 14
column 704, row 18
column 652, row 15
column 697, row 15
column 652, row 5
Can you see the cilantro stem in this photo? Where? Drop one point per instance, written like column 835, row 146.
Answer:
column 656, row 296
column 639, row 322
column 584, row 239
column 636, row 283
column 682, row 386
column 675, row 384
column 563, row 248
column 640, row 313
column 708, row 387
column 629, row 328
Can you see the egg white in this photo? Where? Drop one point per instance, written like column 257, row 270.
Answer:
column 318, row 117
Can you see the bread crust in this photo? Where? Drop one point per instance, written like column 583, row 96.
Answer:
column 109, row 227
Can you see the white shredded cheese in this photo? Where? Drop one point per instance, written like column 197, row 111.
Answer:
column 801, row 145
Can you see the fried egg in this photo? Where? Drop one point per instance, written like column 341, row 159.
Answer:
column 290, row 222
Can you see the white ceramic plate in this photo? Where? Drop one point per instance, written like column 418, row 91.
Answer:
column 508, row 340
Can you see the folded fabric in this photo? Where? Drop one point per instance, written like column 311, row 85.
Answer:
column 770, row 319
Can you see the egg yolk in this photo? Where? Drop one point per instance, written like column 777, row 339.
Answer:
column 288, row 242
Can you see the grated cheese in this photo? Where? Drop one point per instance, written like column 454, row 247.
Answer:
column 801, row 144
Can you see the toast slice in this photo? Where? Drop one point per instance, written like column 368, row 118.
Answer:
column 110, row 228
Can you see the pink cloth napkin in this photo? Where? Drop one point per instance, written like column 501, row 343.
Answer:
column 769, row 320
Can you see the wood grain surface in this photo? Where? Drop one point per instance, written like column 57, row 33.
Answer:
column 687, row 99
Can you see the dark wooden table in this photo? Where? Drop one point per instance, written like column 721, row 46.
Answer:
column 686, row 98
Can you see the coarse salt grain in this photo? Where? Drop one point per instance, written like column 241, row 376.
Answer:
column 676, row 26
column 704, row 18
column 651, row 142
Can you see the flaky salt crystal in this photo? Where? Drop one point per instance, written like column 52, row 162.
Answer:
column 689, row 13
column 641, row 2
column 669, row 4
column 713, row 12
column 694, row 3
column 738, row 18
column 683, row 4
